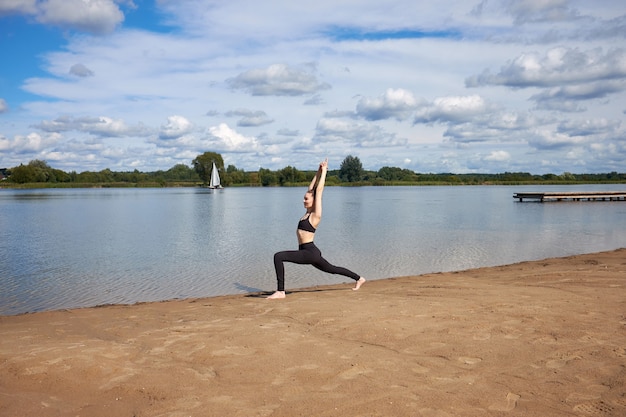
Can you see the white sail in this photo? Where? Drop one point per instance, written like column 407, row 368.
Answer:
column 215, row 178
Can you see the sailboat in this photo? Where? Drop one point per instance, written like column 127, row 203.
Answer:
column 215, row 178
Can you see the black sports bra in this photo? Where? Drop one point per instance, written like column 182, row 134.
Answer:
column 306, row 225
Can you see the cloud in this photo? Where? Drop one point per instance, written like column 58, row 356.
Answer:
column 472, row 119
column 250, row 118
column 532, row 11
column 18, row 7
column 394, row 103
column 80, row 70
column 97, row 17
column 4, row 107
column 569, row 98
column 277, row 80
column 589, row 127
column 223, row 138
column 336, row 130
column 454, row 109
column 314, row 100
column 550, row 140
column 94, row 16
column 98, row 126
column 33, row 142
column 558, row 67
column 549, row 21
column 288, row 132
column 566, row 76
column 498, row 156
column 176, row 127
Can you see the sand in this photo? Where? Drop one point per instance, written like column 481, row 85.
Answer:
column 543, row 338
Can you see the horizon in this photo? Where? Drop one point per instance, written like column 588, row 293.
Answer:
column 337, row 169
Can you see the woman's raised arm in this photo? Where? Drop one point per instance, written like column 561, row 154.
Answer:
column 319, row 188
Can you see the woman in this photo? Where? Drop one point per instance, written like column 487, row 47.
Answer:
column 308, row 253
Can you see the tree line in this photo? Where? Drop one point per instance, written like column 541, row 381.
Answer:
column 351, row 172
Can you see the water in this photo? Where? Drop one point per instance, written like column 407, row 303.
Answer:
column 78, row 248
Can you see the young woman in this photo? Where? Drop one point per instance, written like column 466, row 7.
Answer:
column 307, row 252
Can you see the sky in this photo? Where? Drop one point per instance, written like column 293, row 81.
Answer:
column 447, row 86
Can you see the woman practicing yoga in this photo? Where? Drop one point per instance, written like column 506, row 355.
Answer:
column 307, row 252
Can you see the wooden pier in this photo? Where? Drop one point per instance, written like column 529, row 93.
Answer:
column 572, row 196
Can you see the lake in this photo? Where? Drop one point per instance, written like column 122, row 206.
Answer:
column 66, row 248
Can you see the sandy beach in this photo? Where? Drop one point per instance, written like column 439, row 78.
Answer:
column 541, row 338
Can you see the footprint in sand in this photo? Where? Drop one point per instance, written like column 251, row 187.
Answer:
column 619, row 352
column 354, row 372
column 595, row 408
column 508, row 404
column 561, row 361
column 482, row 336
column 234, row 351
column 469, row 361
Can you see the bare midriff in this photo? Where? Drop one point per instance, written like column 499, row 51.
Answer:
column 304, row 236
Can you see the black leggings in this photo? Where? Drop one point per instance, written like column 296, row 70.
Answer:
column 307, row 254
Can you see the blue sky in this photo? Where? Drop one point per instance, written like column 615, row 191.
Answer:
column 450, row 86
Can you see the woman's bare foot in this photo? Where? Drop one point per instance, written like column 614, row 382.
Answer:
column 276, row 295
column 358, row 284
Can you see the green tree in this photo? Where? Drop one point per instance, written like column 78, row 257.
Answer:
column 234, row 175
column 351, row 169
column 35, row 171
column 22, row 174
column 396, row 174
column 106, row 175
column 181, row 172
column 267, row 177
column 204, row 163
column 291, row 175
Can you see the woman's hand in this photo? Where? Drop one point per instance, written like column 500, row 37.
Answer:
column 324, row 164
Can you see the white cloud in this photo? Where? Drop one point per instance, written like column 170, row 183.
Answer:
column 93, row 16
column 548, row 139
column 277, row 80
column 589, row 127
column 249, row 117
column 498, row 156
column 98, row 126
column 32, row 142
column 394, row 103
column 223, row 138
column 4, row 107
column 176, row 127
column 454, row 109
column 336, row 130
column 557, row 67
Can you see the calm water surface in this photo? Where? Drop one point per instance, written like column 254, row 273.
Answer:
column 77, row 248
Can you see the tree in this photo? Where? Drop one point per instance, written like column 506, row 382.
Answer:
column 204, row 163
column 267, row 177
column 351, row 169
column 289, row 174
column 35, row 171
column 180, row 172
column 234, row 175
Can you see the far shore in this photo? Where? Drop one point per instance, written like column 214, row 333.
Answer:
column 540, row 338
